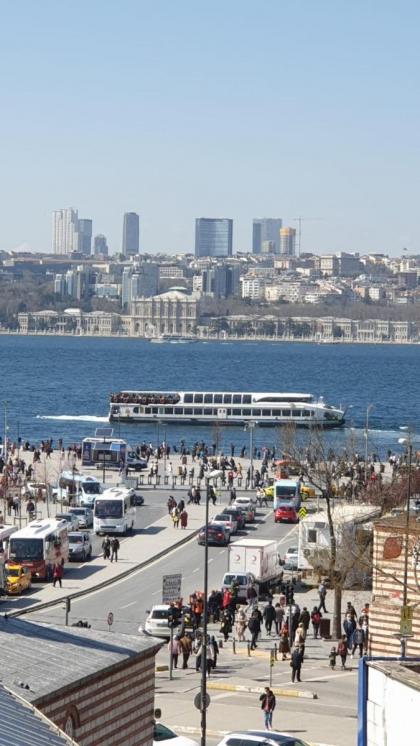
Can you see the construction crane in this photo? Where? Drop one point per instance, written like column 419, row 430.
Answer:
column 299, row 222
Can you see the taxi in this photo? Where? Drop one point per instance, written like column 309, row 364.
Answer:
column 18, row 579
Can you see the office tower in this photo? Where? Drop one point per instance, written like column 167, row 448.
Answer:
column 287, row 241
column 266, row 229
column 131, row 234
column 84, row 236
column 100, row 245
column 213, row 237
column 60, row 284
column 268, row 247
column 221, row 282
column 64, row 238
column 142, row 282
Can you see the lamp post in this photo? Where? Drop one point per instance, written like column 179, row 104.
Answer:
column 250, row 427
column 368, row 410
column 408, row 443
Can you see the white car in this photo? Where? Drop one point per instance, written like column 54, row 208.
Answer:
column 156, row 623
column 162, row 734
column 260, row 738
column 225, row 520
column 291, row 557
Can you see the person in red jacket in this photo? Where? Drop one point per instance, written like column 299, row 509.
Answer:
column 57, row 574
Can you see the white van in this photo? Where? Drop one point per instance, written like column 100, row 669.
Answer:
column 77, row 489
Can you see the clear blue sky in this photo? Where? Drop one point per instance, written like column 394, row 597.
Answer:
column 224, row 108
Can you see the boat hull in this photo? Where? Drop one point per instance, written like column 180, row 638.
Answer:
column 272, row 422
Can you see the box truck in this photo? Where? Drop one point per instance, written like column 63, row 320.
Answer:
column 253, row 562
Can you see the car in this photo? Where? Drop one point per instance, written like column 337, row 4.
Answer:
column 291, row 559
column 237, row 515
column 135, row 464
column 161, row 734
column 156, row 623
column 36, row 490
column 307, row 490
column 269, row 491
column 71, row 519
column 219, row 535
column 136, row 499
column 80, row 546
column 247, row 507
column 225, row 520
column 260, row 738
column 18, row 579
column 286, row 513
column 84, row 516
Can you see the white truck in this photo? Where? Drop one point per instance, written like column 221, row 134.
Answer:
column 253, row 562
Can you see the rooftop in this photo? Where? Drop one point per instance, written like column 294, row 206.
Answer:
column 23, row 725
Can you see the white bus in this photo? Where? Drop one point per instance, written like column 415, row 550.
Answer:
column 113, row 511
column 77, row 489
column 40, row 545
column 6, row 532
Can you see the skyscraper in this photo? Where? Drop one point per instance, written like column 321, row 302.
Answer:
column 213, row 236
column 131, row 234
column 266, row 229
column 84, row 236
column 287, row 241
column 64, row 238
column 100, row 245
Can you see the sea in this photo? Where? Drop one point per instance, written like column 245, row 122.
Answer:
column 58, row 387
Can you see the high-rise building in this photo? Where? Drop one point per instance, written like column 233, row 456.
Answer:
column 84, row 236
column 266, row 229
column 64, row 227
column 287, row 241
column 142, row 282
column 100, row 245
column 221, row 282
column 131, row 234
column 213, row 236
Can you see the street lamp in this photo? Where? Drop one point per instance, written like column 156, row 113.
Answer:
column 250, row 427
column 408, row 443
column 368, row 410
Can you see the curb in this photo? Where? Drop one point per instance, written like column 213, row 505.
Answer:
column 221, row 686
column 104, row 583
column 161, row 668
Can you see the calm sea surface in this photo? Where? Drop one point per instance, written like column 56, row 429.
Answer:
column 59, row 387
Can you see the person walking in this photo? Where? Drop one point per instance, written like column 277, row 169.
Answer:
column 184, row 518
column 174, row 650
column 196, row 648
column 284, row 645
column 343, row 650
column 268, row 704
column 300, row 638
column 296, row 664
column 322, row 593
column 175, row 516
column 316, row 621
column 269, row 616
column 305, row 618
column 115, row 545
column 279, row 617
column 358, row 641
column 106, row 547
column 254, row 627
column 240, row 624
column 57, row 574
column 185, row 644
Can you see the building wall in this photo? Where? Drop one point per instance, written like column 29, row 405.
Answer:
column 392, row 709
column 112, row 708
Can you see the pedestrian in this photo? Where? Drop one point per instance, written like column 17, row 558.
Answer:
column 240, row 624
column 30, row 509
column 300, row 638
column 226, row 625
column 322, row 593
column 284, row 645
column 358, row 641
column 209, row 656
column 268, row 704
column 215, row 650
column 57, row 574
column 251, row 596
column 349, row 626
column 305, row 618
column 254, row 627
column 279, row 617
column 184, row 518
column 175, row 516
column 332, row 658
column 173, row 648
column 115, row 545
column 296, row 664
column 316, row 620
column 185, row 645
column 343, row 650
column 196, row 648
column 106, row 547
column 269, row 615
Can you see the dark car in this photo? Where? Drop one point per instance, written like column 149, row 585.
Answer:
column 238, row 515
column 286, row 514
column 218, row 535
column 137, row 499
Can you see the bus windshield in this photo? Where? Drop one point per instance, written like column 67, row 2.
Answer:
column 27, row 549
column 108, row 508
column 92, row 488
column 285, row 490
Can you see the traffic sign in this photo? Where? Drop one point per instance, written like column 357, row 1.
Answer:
column 110, row 619
column 197, row 701
column 171, row 588
column 302, row 512
column 406, row 620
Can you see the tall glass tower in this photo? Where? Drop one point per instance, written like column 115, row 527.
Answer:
column 213, row 236
column 131, row 234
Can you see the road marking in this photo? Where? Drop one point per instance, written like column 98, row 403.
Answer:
column 155, row 593
column 211, row 560
column 127, row 605
column 196, row 569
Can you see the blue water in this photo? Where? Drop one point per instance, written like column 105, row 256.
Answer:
column 68, row 380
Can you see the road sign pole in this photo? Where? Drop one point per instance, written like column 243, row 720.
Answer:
column 171, row 639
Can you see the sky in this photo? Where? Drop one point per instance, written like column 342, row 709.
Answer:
column 229, row 108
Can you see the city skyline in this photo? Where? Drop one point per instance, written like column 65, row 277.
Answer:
column 189, row 132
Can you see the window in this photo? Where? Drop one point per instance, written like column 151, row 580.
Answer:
column 169, row 410
column 147, row 410
column 276, row 412
column 256, row 412
column 198, row 412
column 188, row 410
column 285, row 413
column 246, row 413
column 198, row 398
column 178, row 410
column 208, row 398
column 306, row 412
column 312, row 536
column 218, row 398
column 155, row 410
column 236, row 399
column 227, row 399
column 208, row 411
column 295, row 412
column 228, row 412
column 246, row 399
column 188, row 398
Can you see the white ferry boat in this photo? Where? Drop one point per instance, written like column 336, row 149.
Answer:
column 227, row 408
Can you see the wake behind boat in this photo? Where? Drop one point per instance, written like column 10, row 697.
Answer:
column 227, row 408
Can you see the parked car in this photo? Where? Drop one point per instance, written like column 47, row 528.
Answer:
column 156, row 623
column 260, row 738
column 237, row 515
column 84, row 516
column 291, row 559
column 286, row 514
column 225, row 520
column 247, row 507
column 71, row 519
column 18, row 579
column 80, row 546
column 219, row 535
column 161, row 734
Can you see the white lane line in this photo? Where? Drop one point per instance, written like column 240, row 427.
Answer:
column 196, row 569
column 132, row 603
column 222, row 551
column 211, row 559
column 155, row 593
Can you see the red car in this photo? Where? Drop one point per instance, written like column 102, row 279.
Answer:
column 286, row 513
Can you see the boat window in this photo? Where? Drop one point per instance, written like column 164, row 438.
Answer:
column 208, row 398
column 227, row 399
column 198, row 412
column 285, row 413
column 246, row 398
column 147, row 410
column 218, row 398
column 228, row 412
column 169, row 410
column 188, row 398
column 246, row 413
column 178, row 410
column 306, row 412
column 256, row 413
column 208, row 411
column 198, row 398
column 135, row 410
column 236, row 399
column 295, row 412
column 188, row 410
column 155, row 410
column 276, row 412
